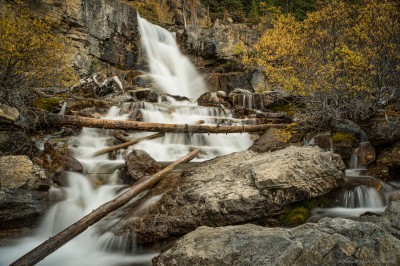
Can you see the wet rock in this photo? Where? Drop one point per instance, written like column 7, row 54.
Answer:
column 21, row 208
column 271, row 140
column 383, row 130
column 329, row 242
column 390, row 157
column 16, row 143
column 18, row 172
column 237, row 188
column 366, row 153
column 213, row 99
column 137, row 165
column 379, row 171
column 54, row 161
column 144, row 94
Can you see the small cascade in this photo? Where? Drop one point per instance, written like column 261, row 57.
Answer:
column 80, row 198
column 362, row 194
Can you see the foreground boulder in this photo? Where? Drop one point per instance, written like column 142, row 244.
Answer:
column 236, row 188
column 329, row 242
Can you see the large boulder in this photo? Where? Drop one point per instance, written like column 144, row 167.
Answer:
column 18, row 172
column 235, row 188
column 329, row 242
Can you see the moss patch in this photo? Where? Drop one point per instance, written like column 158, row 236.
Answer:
column 47, row 104
column 343, row 136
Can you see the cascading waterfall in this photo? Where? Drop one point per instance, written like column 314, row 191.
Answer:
column 174, row 74
column 172, row 71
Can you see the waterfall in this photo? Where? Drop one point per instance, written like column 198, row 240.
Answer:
column 176, row 75
column 173, row 72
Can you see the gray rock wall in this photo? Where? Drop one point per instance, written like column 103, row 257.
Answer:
column 98, row 31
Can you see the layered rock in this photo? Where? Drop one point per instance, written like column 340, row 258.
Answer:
column 329, row 242
column 236, row 188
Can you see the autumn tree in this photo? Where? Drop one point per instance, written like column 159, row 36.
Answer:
column 30, row 56
column 343, row 58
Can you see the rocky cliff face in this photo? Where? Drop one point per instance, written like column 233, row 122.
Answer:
column 100, row 33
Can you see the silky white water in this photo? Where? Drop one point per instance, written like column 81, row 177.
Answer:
column 81, row 197
column 368, row 194
column 173, row 72
column 175, row 75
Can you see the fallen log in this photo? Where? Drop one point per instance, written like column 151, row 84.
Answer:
column 66, row 120
column 125, row 144
column 52, row 244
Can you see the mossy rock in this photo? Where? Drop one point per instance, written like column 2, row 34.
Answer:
column 343, row 136
column 48, row 104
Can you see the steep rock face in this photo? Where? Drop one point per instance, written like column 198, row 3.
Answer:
column 329, row 242
column 97, row 30
column 217, row 50
column 236, row 188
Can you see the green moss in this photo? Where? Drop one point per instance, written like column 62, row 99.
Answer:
column 47, row 104
column 296, row 216
column 343, row 136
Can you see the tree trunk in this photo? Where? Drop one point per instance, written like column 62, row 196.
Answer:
column 125, row 144
column 66, row 120
column 52, row 244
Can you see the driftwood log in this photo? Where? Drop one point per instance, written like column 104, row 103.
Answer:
column 125, row 144
column 66, row 120
column 52, row 244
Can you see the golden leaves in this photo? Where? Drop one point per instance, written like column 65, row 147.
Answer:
column 29, row 50
column 340, row 48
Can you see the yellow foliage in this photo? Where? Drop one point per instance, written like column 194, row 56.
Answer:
column 30, row 54
column 342, row 48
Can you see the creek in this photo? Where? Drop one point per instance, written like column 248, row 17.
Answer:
column 173, row 74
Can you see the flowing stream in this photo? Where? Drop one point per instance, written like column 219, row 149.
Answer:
column 362, row 194
column 174, row 74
